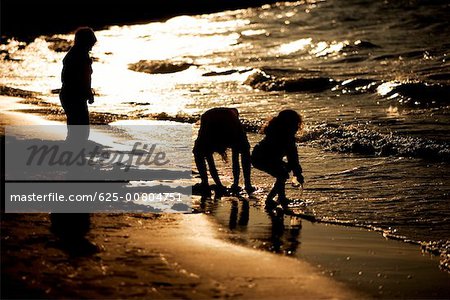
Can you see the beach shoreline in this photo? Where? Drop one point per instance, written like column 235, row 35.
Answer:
column 153, row 255
column 191, row 256
column 49, row 17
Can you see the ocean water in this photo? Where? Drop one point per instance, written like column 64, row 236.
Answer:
column 371, row 79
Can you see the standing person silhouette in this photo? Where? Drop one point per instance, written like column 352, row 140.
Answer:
column 278, row 143
column 76, row 91
column 76, row 85
column 221, row 129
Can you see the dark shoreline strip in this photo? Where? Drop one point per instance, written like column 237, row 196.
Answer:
column 50, row 16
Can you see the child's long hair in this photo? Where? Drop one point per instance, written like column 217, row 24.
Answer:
column 287, row 123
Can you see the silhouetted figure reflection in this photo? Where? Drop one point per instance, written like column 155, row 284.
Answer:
column 71, row 229
column 277, row 229
column 243, row 216
column 282, row 239
column 221, row 129
column 208, row 205
column 76, row 88
column 245, row 211
column 279, row 142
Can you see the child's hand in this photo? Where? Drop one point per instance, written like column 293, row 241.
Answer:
column 298, row 181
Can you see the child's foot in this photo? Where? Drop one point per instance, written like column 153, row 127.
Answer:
column 270, row 204
column 250, row 189
column 220, row 191
column 284, row 202
column 235, row 190
column 201, row 189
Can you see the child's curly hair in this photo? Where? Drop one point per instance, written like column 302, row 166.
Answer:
column 288, row 122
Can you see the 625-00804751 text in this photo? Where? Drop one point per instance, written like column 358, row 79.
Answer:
column 101, row 197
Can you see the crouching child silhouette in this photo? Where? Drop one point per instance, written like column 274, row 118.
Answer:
column 268, row 154
column 221, row 129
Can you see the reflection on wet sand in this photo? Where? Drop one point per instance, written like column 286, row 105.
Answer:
column 277, row 232
column 356, row 256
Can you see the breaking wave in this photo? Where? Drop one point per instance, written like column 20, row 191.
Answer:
column 159, row 67
column 352, row 139
column 410, row 94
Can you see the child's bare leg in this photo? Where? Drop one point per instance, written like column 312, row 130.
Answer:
column 201, row 167
column 279, row 189
column 236, row 171
column 270, row 202
column 246, row 170
column 214, row 173
column 271, row 195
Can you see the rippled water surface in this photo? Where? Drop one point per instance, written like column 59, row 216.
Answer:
column 371, row 78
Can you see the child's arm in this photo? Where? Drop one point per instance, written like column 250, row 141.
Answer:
column 293, row 161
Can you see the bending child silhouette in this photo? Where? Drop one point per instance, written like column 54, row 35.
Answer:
column 220, row 129
column 76, row 84
column 278, row 143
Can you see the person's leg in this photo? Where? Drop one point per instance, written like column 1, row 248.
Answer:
column 272, row 193
column 280, row 189
column 244, row 149
column 276, row 168
column 282, row 177
column 215, row 175
column 70, row 116
column 236, row 171
column 201, row 167
column 84, row 121
column 272, row 169
column 246, row 170
column 280, row 172
column 77, row 120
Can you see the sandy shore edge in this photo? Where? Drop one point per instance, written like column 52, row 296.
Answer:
column 156, row 256
column 163, row 256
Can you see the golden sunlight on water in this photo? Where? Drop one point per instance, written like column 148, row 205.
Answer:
column 324, row 48
column 35, row 67
column 187, row 40
column 295, row 46
column 387, row 87
column 171, row 41
column 319, row 49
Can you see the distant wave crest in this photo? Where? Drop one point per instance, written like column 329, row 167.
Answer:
column 351, row 139
column 411, row 94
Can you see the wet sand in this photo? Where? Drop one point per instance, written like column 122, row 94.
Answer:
column 201, row 256
column 10, row 115
column 150, row 256
column 362, row 259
